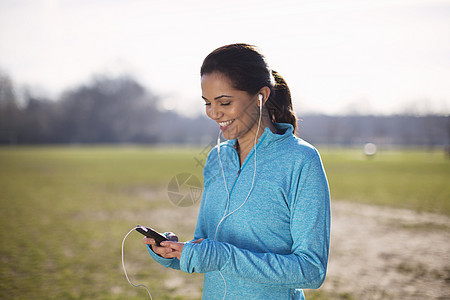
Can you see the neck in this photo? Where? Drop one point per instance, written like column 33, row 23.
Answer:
column 246, row 142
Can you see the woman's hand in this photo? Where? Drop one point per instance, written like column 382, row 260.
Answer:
column 161, row 250
column 168, row 249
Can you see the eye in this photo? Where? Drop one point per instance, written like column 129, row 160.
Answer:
column 207, row 103
column 225, row 103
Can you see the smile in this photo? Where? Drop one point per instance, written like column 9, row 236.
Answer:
column 225, row 123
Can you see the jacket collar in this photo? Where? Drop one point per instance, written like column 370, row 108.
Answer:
column 284, row 131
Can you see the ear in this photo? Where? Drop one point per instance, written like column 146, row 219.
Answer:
column 265, row 92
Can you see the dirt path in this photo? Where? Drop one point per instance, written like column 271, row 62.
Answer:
column 385, row 253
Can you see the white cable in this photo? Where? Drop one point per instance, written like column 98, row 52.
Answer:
column 251, row 188
column 124, row 270
column 224, row 183
column 226, row 208
column 228, row 193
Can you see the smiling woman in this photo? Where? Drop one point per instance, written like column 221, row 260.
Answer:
column 263, row 228
column 233, row 79
column 234, row 110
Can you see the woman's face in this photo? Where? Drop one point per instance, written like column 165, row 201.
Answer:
column 236, row 112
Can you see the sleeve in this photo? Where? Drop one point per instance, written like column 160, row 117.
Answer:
column 304, row 267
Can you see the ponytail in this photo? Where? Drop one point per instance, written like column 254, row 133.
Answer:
column 279, row 103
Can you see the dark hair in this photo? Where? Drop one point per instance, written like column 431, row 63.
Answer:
column 246, row 67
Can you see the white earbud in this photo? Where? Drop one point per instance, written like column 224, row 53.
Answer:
column 260, row 97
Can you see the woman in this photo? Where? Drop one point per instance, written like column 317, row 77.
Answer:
column 264, row 222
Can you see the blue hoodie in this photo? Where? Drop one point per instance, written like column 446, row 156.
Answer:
column 277, row 243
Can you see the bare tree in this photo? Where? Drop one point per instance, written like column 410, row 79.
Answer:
column 9, row 111
column 109, row 110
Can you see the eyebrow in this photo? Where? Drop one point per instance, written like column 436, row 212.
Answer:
column 218, row 97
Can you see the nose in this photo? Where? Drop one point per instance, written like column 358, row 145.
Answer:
column 214, row 112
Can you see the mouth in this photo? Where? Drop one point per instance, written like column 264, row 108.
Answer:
column 224, row 125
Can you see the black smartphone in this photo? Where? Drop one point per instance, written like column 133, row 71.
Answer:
column 149, row 232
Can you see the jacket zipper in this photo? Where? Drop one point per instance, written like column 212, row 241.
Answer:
column 239, row 171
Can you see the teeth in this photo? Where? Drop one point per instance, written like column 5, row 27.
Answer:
column 223, row 124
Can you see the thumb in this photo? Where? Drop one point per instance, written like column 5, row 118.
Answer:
column 173, row 245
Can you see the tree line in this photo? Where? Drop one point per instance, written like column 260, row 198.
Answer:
column 121, row 110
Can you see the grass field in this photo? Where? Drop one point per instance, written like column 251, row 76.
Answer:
column 65, row 211
column 413, row 179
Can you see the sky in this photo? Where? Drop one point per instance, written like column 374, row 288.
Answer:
column 337, row 56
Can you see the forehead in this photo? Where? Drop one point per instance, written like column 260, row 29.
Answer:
column 216, row 81
column 216, row 85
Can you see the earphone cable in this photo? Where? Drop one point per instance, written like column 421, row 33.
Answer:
column 228, row 193
column 123, row 266
column 225, row 183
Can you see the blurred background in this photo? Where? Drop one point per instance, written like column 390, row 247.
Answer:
column 100, row 108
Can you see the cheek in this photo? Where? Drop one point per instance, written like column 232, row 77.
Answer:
column 248, row 116
column 245, row 113
column 233, row 112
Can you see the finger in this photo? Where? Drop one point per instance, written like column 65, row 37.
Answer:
column 162, row 251
column 198, row 241
column 148, row 241
column 173, row 245
column 173, row 254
